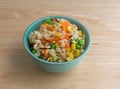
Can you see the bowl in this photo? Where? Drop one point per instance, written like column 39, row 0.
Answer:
column 53, row 66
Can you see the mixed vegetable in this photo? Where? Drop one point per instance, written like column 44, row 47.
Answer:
column 57, row 40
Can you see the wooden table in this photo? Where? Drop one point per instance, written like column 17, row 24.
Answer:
column 99, row 69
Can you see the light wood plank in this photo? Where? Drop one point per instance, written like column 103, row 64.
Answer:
column 99, row 69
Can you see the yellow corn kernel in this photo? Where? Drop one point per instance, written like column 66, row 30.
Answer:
column 68, row 49
column 73, row 47
column 76, row 53
column 69, row 58
column 69, row 29
column 57, row 34
column 69, row 54
column 51, row 59
column 80, row 33
column 46, row 24
column 55, row 24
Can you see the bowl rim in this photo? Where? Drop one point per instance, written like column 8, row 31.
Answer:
column 55, row 63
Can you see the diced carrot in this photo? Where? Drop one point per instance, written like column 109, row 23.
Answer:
column 50, row 28
column 50, row 40
column 64, row 28
column 66, row 23
column 67, row 45
column 44, row 41
column 54, row 39
column 66, row 36
column 44, row 51
column 57, row 39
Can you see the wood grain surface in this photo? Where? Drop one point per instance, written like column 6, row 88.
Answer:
column 99, row 69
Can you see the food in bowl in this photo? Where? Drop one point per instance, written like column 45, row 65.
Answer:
column 57, row 40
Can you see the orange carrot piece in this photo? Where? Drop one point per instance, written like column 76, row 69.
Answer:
column 66, row 23
column 66, row 36
column 50, row 28
column 64, row 28
column 54, row 39
column 44, row 52
column 67, row 45
column 44, row 41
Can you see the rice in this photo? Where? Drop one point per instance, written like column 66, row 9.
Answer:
column 57, row 40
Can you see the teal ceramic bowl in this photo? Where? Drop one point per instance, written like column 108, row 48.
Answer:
column 52, row 66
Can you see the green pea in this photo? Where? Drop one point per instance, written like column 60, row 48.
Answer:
column 53, row 46
column 48, row 21
column 78, row 47
column 56, row 59
column 80, row 42
column 33, row 51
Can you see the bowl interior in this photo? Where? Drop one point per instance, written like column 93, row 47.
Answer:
column 36, row 24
